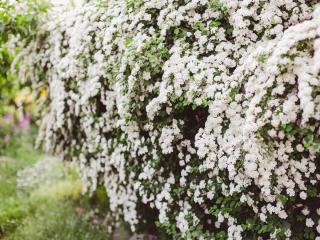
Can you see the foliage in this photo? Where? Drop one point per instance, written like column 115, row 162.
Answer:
column 200, row 116
column 43, row 207
column 12, row 130
column 18, row 24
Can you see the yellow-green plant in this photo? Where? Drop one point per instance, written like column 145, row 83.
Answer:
column 18, row 25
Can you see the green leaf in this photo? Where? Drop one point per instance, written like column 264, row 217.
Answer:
column 282, row 198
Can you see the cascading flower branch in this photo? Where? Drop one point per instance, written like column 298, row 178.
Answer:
column 201, row 115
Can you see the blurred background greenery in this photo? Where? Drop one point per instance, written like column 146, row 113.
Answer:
column 40, row 196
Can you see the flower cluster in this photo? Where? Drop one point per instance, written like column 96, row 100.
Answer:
column 204, row 114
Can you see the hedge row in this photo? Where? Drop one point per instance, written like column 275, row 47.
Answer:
column 199, row 116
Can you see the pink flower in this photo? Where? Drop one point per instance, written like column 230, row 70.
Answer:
column 24, row 123
column 7, row 138
column 8, row 117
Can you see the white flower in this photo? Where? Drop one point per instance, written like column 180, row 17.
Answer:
column 303, row 195
column 309, row 222
column 181, row 103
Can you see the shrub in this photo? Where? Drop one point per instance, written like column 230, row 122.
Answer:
column 202, row 116
column 18, row 24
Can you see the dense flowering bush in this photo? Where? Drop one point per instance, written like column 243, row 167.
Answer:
column 201, row 115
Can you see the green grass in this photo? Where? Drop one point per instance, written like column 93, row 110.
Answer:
column 46, row 212
column 11, row 209
column 55, row 220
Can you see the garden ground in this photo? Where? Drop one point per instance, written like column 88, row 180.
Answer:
column 41, row 199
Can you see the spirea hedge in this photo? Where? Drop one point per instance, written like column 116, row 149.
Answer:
column 202, row 116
